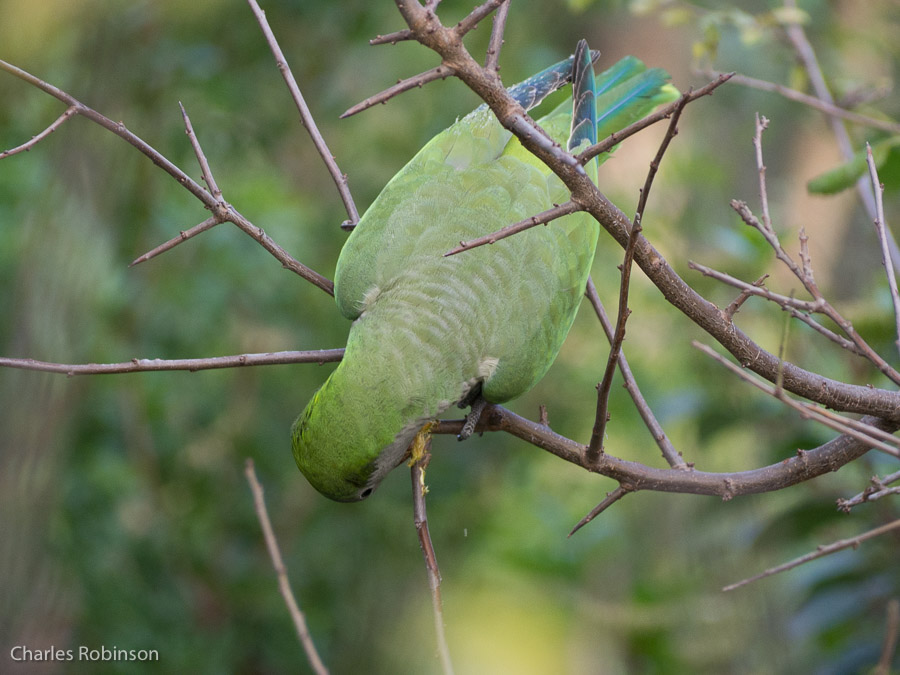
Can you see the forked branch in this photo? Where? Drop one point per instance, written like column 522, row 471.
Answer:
column 220, row 210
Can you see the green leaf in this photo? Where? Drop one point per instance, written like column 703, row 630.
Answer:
column 846, row 175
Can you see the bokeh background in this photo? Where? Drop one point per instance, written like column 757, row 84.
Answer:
column 125, row 518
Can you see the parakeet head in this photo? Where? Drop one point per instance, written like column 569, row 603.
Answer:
column 337, row 472
column 346, row 457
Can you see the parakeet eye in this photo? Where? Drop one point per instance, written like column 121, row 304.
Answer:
column 365, row 493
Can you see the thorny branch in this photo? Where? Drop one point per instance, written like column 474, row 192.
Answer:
column 807, row 56
column 437, row 73
column 881, row 407
column 803, row 271
column 201, row 158
column 829, row 109
column 392, row 38
column 221, row 211
column 492, row 60
column 671, row 455
column 611, row 498
column 815, row 387
column 340, row 178
column 146, row 365
column 821, row 551
column 603, row 389
column 863, row 432
column 803, row 466
column 207, row 224
column 542, row 218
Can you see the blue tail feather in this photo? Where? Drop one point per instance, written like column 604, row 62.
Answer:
column 601, row 104
column 584, row 98
column 629, row 101
column 619, row 72
column 536, row 88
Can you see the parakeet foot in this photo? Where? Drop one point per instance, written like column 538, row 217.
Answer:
column 478, row 406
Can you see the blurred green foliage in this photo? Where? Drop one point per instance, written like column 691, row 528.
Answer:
column 125, row 519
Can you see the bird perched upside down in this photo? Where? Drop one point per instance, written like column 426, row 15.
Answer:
column 430, row 331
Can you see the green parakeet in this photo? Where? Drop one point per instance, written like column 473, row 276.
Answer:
column 429, row 330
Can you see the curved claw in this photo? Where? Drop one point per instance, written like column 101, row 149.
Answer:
column 478, row 406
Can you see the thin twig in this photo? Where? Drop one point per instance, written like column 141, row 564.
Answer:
column 595, row 448
column 829, row 109
column 742, row 297
column 663, row 113
column 437, row 73
column 782, row 347
column 420, row 457
column 603, row 389
column 881, row 229
column 392, row 38
column 149, row 365
column 492, row 60
column 761, row 125
column 71, row 111
column 846, row 504
column 286, row 259
column 671, row 455
column 863, row 432
column 611, row 498
column 768, row 233
column 761, row 291
column 284, row 584
column 819, row 328
column 476, row 15
column 340, row 178
column 201, row 158
column 891, row 633
column 873, row 492
column 542, row 218
column 821, row 551
column 184, row 235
